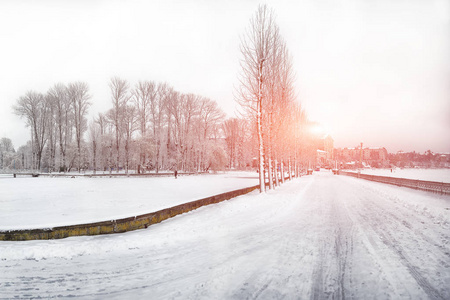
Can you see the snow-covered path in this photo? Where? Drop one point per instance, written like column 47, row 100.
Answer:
column 317, row 237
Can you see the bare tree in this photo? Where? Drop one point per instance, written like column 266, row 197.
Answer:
column 158, row 113
column 6, row 151
column 173, row 113
column 102, row 123
column 231, row 132
column 51, row 132
column 210, row 116
column 144, row 95
column 285, row 112
column 129, row 126
column 257, row 48
column 119, row 96
column 6, row 145
column 94, row 137
column 189, row 111
column 35, row 108
column 79, row 96
column 271, row 99
column 63, row 120
column 280, row 109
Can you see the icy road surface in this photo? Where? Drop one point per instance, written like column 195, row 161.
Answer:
column 317, row 237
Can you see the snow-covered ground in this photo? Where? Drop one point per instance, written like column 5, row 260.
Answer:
column 439, row 175
column 317, row 237
column 43, row 202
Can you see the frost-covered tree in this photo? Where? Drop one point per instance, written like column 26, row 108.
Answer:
column 103, row 141
column 6, row 145
column 258, row 46
column 210, row 117
column 63, row 117
column 158, row 117
column 234, row 131
column 95, row 142
column 144, row 95
column 128, row 126
column 78, row 94
column 35, row 108
column 119, row 98
column 50, row 151
column 7, row 152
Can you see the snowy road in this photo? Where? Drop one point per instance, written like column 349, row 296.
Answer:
column 318, row 237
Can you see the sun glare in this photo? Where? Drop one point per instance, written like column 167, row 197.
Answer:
column 317, row 130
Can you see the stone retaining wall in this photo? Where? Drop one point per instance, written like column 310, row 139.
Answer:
column 121, row 225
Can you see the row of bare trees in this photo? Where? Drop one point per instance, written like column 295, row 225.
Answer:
column 56, row 119
column 153, row 126
column 266, row 95
column 150, row 126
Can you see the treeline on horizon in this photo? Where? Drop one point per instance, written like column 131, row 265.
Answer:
column 12, row 159
column 150, row 126
column 154, row 127
column 428, row 159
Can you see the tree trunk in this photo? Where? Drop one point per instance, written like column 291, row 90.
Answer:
column 269, row 152
column 117, row 149
column 94, row 150
column 277, row 180
column 126, row 156
column 110, row 157
column 290, row 168
column 262, row 184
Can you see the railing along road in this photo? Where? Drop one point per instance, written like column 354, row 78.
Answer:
column 430, row 186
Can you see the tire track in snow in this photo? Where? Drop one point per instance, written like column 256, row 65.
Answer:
column 333, row 271
column 396, row 247
column 376, row 221
column 426, row 238
column 421, row 281
column 317, row 277
column 278, row 270
column 317, row 284
column 343, row 246
column 407, row 211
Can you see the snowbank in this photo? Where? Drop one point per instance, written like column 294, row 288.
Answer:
column 30, row 203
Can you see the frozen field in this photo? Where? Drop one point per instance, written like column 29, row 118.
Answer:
column 439, row 175
column 317, row 237
column 42, row 202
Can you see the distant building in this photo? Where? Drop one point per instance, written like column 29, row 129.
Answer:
column 375, row 157
column 443, row 160
column 325, row 151
column 328, row 146
column 321, row 158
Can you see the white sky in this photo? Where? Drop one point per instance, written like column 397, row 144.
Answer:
column 370, row 71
